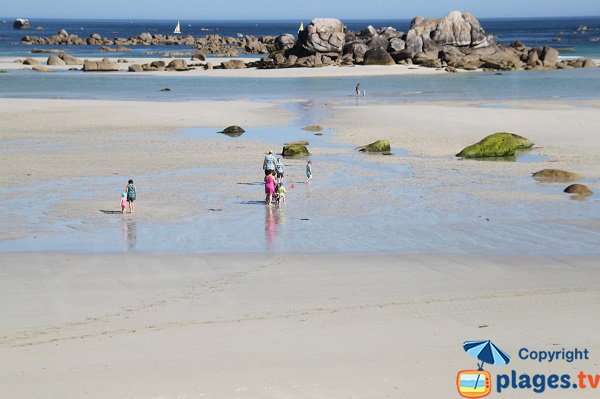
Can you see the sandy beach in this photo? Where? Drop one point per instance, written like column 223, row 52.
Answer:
column 250, row 326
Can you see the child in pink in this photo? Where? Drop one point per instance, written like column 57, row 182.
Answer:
column 123, row 203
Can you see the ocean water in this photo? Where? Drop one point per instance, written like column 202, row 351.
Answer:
column 575, row 84
column 558, row 32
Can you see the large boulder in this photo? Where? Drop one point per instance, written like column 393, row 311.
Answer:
column 55, row 60
column 455, row 29
column 285, row 42
column 30, row 61
column 588, row 64
column 41, row 68
column 378, row 56
column 295, row 150
column 549, row 56
column 104, row 65
column 323, row 35
column 357, row 50
column 496, row 145
column 70, row 60
column 378, row 41
column 555, row 175
column 178, row 65
column 377, row 146
column 135, row 68
column 396, row 44
column 233, row 64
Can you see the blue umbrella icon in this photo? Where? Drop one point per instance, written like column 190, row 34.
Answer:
column 487, row 352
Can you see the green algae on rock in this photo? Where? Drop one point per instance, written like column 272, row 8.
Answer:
column 295, row 150
column 496, row 145
column 378, row 146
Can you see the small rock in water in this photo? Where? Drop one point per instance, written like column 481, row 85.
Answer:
column 318, row 134
column 233, row 131
column 165, row 89
column 312, row 128
column 378, row 146
column 579, row 190
column 555, row 175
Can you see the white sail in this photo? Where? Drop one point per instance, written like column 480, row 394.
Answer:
column 301, row 28
column 177, row 28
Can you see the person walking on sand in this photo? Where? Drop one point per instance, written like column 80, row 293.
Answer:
column 308, row 171
column 279, row 170
column 131, row 194
column 269, row 186
column 123, row 203
column 358, row 90
column 280, row 194
column 269, row 162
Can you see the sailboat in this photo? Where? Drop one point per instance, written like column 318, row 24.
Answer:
column 177, row 28
column 301, row 28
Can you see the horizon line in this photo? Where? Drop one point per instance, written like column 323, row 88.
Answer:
column 279, row 19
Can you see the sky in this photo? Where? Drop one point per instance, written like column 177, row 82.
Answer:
column 291, row 9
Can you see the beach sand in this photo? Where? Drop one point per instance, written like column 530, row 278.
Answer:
column 289, row 324
column 297, row 326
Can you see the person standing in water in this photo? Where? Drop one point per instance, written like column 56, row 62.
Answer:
column 269, row 162
column 358, row 90
column 131, row 194
column 269, row 186
column 308, row 171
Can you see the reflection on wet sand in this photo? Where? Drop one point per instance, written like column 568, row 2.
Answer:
column 129, row 232
column 274, row 217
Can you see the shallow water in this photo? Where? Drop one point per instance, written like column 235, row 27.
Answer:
column 356, row 203
column 575, row 84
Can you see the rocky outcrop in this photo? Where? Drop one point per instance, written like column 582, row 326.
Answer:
column 21, row 23
column 104, row 65
column 496, row 145
column 377, row 146
column 456, row 41
column 30, row 61
column 323, row 35
column 41, row 68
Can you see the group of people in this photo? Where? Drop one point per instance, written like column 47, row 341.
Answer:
column 128, row 197
column 274, row 172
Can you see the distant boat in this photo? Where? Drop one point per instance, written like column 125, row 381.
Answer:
column 301, row 28
column 177, row 28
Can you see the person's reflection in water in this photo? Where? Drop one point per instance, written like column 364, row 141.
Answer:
column 129, row 232
column 270, row 227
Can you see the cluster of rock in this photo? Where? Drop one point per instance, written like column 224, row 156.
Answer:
column 174, row 65
column 456, row 41
column 213, row 44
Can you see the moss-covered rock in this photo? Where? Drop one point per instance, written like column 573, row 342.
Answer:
column 233, row 131
column 555, row 175
column 378, row 146
column 295, row 150
column 496, row 145
column 296, row 143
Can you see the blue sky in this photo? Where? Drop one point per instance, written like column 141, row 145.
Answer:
column 292, row 9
